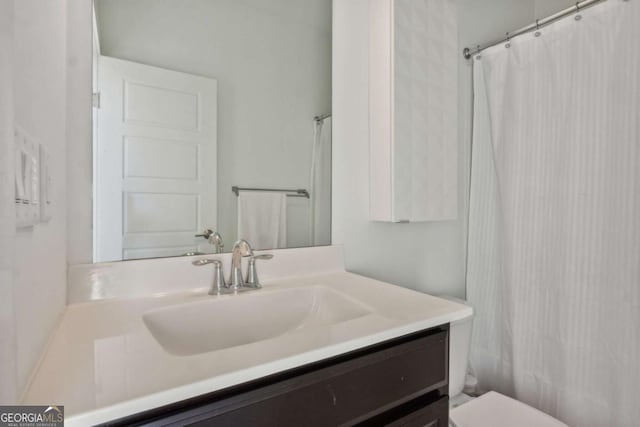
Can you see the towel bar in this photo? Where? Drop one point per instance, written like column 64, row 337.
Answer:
column 296, row 193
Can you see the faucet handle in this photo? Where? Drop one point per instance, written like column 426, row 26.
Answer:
column 205, row 234
column 218, row 285
column 252, row 275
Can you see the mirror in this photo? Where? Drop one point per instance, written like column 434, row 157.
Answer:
column 211, row 118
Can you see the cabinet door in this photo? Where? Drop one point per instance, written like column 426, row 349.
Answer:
column 413, row 110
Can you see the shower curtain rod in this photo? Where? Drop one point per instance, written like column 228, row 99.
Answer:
column 322, row 117
column 581, row 5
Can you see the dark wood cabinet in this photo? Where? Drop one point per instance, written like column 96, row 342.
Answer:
column 401, row 382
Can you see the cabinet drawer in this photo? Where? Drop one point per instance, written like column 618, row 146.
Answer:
column 349, row 391
column 435, row 414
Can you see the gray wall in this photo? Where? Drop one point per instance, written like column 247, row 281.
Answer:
column 549, row 7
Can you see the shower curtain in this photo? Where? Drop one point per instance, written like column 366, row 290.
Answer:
column 320, row 185
column 554, row 227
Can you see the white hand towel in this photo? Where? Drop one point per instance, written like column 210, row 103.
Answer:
column 262, row 219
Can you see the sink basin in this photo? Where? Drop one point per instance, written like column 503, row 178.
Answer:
column 219, row 323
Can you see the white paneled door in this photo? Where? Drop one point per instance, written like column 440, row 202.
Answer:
column 155, row 161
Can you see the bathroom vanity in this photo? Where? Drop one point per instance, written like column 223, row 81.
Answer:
column 315, row 346
column 398, row 382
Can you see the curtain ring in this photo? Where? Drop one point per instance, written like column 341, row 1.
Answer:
column 508, row 45
column 537, row 33
column 578, row 16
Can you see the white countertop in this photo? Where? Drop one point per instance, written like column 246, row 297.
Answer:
column 103, row 363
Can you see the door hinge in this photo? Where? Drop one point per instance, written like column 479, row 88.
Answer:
column 96, row 100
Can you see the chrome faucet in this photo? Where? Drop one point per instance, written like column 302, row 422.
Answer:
column 236, row 282
column 214, row 238
column 241, row 248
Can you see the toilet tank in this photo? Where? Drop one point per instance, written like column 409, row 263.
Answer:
column 459, row 344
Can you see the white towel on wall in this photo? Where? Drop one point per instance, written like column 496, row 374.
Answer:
column 262, row 219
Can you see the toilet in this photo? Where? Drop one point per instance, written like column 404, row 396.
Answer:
column 491, row 409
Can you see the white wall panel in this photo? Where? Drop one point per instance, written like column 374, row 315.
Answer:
column 159, row 106
column 180, row 213
column 171, row 159
column 157, row 252
column 150, row 240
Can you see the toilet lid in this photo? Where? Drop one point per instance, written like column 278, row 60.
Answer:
column 497, row 410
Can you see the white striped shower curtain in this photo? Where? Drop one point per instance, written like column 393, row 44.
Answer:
column 554, row 232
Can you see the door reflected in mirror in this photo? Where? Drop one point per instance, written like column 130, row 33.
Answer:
column 212, row 123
